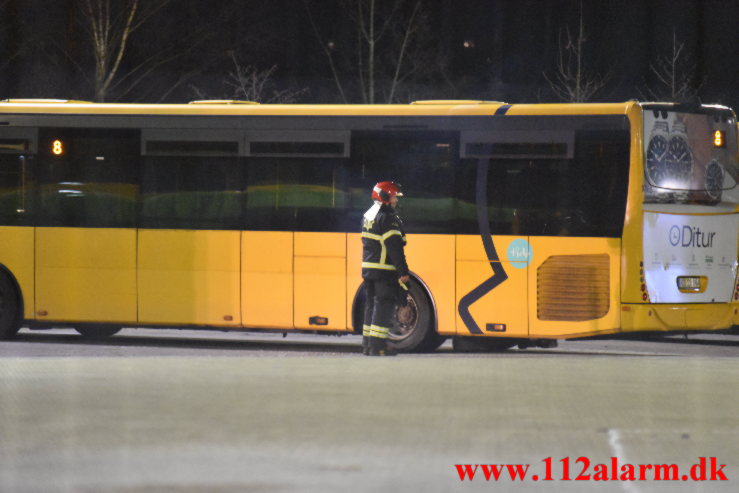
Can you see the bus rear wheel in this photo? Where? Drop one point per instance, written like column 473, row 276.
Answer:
column 10, row 307
column 97, row 332
column 414, row 329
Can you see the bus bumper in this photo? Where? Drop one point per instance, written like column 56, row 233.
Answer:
column 664, row 317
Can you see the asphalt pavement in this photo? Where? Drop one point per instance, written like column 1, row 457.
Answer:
column 185, row 411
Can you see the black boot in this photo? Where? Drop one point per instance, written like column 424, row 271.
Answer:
column 365, row 345
column 378, row 347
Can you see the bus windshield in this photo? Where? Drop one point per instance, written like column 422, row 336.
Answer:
column 689, row 157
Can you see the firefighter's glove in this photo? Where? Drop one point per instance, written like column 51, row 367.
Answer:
column 402, row 294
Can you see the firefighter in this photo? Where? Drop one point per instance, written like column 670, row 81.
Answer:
column 384, row 268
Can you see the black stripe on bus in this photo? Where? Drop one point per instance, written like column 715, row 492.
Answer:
column 503, row 109
column 499, row 274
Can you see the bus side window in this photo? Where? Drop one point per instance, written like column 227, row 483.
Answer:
column 295, row 193
column 422, row 162
column 88, row 177
column 191, row 192
column 600, row 178
column 15, row 189
column 506, row 195
column 584, row 195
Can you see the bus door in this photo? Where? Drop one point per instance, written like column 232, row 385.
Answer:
column 189, row 244
column 87, row 186
column 17, row 155
column 295, row 246
column 492, row 263
column 575, row 219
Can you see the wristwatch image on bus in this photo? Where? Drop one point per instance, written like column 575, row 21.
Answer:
column 679, row 157
column 714, row 179
column 657, row 171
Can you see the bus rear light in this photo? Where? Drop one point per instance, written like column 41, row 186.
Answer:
column 644, row 297
column 643, row 287
column 719, row 138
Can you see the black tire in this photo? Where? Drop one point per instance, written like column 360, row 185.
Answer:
column 10, row 308
column 358, row 315
column 481, row 344
column 101, row 332
column 414, row 329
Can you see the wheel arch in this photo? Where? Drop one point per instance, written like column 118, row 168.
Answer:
column 359, row 297
column 4, row 270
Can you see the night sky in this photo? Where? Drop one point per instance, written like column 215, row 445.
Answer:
column 460, row 49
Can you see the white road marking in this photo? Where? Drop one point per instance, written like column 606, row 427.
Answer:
column 614, row 440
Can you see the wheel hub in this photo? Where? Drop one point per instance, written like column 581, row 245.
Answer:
column 406, row 320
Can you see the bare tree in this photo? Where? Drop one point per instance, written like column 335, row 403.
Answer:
column 247, row 82
column 378, row 63
column 674, row 75
column 571, row 81
column 110, row 29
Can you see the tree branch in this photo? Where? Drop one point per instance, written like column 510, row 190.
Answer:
column 408, row 32
column 326, row 51
column 121, row 45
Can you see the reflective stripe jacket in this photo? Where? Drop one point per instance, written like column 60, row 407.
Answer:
column 383, row 242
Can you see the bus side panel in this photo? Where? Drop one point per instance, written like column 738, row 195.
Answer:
column 320, row 281
column 633, row 234
column 506, row 303
column 431, row 257
column 267, row 279
column 574, row 294
column 86, row 274
column 17, row 256
column 189, row 277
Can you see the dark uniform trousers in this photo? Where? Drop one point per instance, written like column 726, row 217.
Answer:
column 379, row 309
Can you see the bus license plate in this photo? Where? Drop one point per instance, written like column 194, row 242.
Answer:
column 689, row 283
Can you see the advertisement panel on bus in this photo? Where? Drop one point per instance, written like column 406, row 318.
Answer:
column 690, row 220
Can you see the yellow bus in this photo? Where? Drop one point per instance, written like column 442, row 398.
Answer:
column 526, row 223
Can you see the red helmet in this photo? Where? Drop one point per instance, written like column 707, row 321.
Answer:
column 386, row 190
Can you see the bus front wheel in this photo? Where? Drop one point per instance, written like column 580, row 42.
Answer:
column 414, row 329
column 10, row 307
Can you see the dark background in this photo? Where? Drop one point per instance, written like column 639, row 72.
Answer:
column 191, row 49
